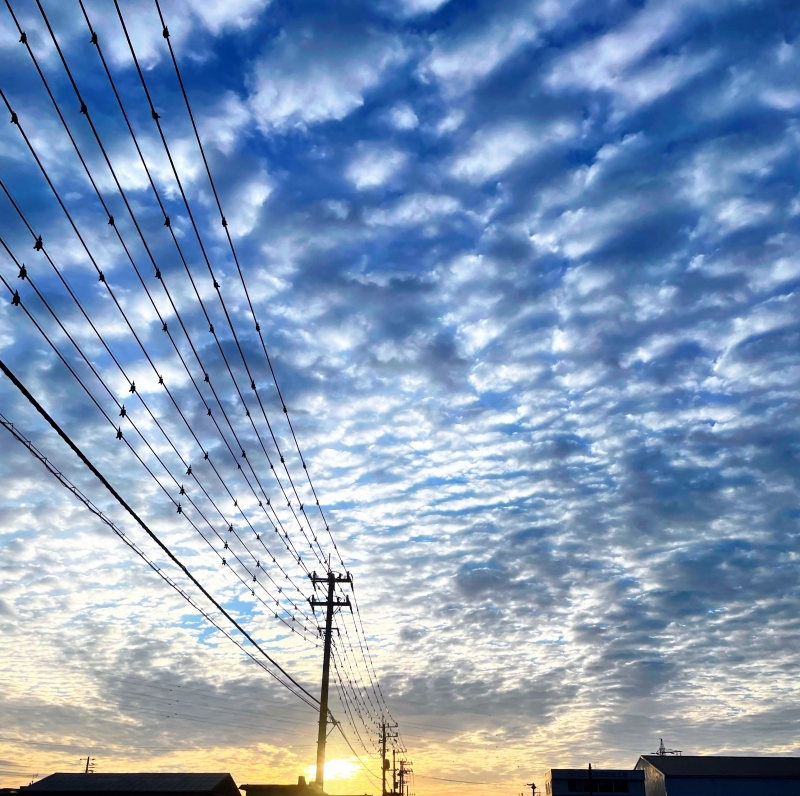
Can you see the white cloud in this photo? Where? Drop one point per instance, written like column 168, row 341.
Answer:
column 412, row 8
column 490, row 152
column 373, row 166
column 452, row 121
column 249, row 198
column 417, row 208
column 460, row 63
column 219, row 16
column 402, row 117
column 308, row 79
column 223, row 123
column 601, row 63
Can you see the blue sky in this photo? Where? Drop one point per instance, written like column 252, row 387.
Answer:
column 528, row 274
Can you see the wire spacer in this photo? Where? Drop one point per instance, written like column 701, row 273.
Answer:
column 23, row 272
column 38, row 246
column 23, row 39
column 15, row 299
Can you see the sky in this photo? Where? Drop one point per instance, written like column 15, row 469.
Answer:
column 528, row 276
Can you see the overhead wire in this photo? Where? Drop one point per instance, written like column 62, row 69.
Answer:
column 165, row 34
column 295, row 687
column 223, row 221
column 217, row 288
column 359, row 627
column 25, row 275
column 160, row 277
column 345, row 682
column 16, row 299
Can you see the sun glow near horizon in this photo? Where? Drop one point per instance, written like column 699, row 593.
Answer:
column 342, row 768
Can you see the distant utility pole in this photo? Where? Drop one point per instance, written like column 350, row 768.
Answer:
column 532, row 786
column 332, row 579
column 404, row 770
column 89, row 766
column 384, row 761
column 591, row 784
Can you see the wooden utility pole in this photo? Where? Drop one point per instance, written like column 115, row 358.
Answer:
column 331, row 579
column 384, row 761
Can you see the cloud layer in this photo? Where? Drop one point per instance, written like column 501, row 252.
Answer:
column 528, row 274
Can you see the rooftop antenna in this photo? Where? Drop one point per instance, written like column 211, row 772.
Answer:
column 663, row 751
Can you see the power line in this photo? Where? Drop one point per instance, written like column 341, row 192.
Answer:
column 359, row 627
column 304, row 694
column 166, row 36
column 159, row 276
column 18, row 301
column 156, row 118
column 217, row 288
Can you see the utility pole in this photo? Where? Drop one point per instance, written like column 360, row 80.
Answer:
column 384, row 761
column 532, row 786
column 591, row 784
column 404, row 770
column 394, row 771
column 331, row 579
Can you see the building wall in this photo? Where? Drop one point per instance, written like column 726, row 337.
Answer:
column 723, row 786
column 653, row 781
column 569, row 782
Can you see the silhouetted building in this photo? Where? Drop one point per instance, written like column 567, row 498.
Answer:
column 133, row 785
column 730, row 776
column 600, row 780
column 302, row 788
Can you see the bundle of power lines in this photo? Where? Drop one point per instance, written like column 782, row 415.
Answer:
column 236, row 491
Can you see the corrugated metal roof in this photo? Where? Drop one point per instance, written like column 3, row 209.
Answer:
column 147, row 782
column 719, row 766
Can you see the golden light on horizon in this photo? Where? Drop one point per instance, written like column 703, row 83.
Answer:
column 343, row 768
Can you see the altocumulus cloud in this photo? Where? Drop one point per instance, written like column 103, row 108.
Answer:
column 529, row 274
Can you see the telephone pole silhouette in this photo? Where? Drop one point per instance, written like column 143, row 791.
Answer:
column 384, row 761
column 404, row 770
column 332, row 580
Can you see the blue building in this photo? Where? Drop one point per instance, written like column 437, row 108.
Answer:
column 564, row 781
column 666, row 775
